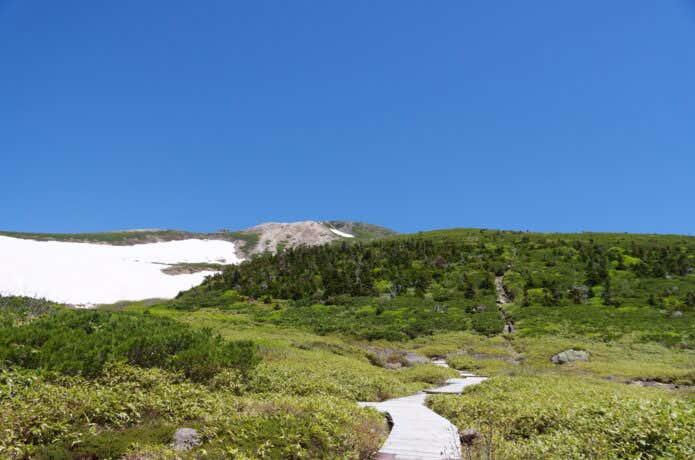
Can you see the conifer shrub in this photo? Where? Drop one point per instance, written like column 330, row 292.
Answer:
column 84, row 342
column 488, row 323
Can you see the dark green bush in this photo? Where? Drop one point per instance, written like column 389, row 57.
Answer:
column 204, row 360
column 107, row 444
column 83, row 342
column 488, row 323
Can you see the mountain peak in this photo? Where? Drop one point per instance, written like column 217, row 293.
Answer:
column 276, row 236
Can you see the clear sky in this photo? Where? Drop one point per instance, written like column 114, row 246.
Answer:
column 539, row 115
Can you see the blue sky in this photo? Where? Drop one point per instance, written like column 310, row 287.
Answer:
column 538, row 115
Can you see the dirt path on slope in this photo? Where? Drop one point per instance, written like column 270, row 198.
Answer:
column 502, row 300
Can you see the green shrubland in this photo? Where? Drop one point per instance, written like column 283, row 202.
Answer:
column 268, row 359
column 84, row 342
column 404, row 287
column 560, row 417
column 128, row 410
column 93, row 384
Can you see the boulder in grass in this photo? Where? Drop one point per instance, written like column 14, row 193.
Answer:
column 413, row 358
column 185, row 439
column 392, row 366
column 569, row 356
column 676, row 314
column 469, row 437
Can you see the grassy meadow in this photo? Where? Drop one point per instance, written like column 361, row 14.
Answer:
column 268, row 359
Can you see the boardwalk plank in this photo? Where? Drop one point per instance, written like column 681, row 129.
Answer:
column 418, row 433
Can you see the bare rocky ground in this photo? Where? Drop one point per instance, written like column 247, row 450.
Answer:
column 267, row 237
column 502, row 300
column 274, row 236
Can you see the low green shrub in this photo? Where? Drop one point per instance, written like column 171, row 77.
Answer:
column 131, row 410
column 561, row 417
column 428, row 373
column 15, row 310
column 107, row 444
column 206, row 359
column 84, row 342
column 463, row 362
column 342, row 378
column 488, row 323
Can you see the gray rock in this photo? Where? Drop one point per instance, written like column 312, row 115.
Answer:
column 392, row 366
column 652, row 384
column 570, row 355
column 394, row 358
column 413, row 358
column 185, row 439
column 469, row 436
column 676, row 314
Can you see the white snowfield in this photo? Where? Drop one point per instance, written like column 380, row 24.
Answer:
column 343, row 234
column 87, row 274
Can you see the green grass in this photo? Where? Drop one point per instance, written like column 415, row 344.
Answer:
column 622, row 361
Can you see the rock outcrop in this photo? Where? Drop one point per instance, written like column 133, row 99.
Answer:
column 569, row 356
column 185, row 439
column 276, row 236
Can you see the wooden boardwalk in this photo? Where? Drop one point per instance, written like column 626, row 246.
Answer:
column 456, row 386
column 418, row 433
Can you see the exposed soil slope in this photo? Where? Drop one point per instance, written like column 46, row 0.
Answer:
column 275, row 236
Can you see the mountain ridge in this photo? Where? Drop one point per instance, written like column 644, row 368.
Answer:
column 268, row 236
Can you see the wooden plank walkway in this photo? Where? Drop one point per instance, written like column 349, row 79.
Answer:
column 456, row 386
column 419, row 433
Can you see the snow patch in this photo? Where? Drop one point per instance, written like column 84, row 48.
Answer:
column 87, row 274
column 339, row 233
